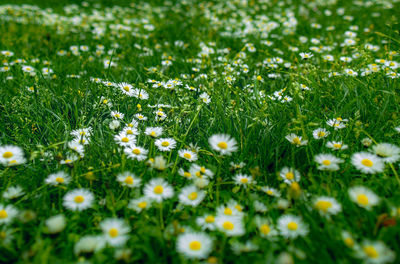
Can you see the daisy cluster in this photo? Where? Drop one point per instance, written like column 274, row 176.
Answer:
column 200, row 131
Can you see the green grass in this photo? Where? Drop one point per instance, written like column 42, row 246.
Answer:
column 40, row 122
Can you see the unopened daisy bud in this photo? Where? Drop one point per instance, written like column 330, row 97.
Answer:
column 295, row 190
column 55, row 224
column 114, row 124
column 366, row 142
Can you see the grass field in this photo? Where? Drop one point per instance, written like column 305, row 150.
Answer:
column 199, row 131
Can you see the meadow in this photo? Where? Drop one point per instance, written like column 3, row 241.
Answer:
column 195, row 131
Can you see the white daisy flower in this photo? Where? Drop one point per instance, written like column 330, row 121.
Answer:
column 265, row 227
column 191, row 195
column 78, row 200
column 296, row 140
column 58, row 178
column 320, row 133
column 115, row 231
column 206, row 221
column 187, row 155
column 11, row 155
column 128, row 179
column 271, row 191
column 230, row 225
column 194, row 245
column 375, row 252
column 243, row 180
column 327, row 205
column 367, row 162
column 153, row 131
column 387, row 152
column 223, row 143
column 291, row 226
column 136, row 152
column 139, row 204
column 165, row 144
column 336, row 145
column 158, row 189
column 327, row 162
column 13, row 192
column 363, row 197
column 117, row 115
column 7, row 213
column 289, row 175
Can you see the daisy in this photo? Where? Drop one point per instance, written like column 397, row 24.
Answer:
column 154, row 131
column 194, row 245
column 271, row 191
column 265, row 228
column 291, row 226
column 289, row 175
column 135, row 152
column 125, row 140
column 327, row 205
column 11, row 155
column 320, row 133
column 128, row 179
column 375, row 252
column 89, row 244
column 187, row 155
column 78, row 200
column 126, row 88
column 13, row 192
column 158, row 189
column 231, row 209
column 348, row 239
column 77, row 147
column 141, row 117
column 82, row 132
column 130, row 130
column 367, row 162
column 363, row 197
column 336, row 145
column 336, row 124
column 206, row 221
column 388, row 152
column 139, row 204
column 243, row 180
column 117, row 115
column 191, row 195
column 327, row 162
column 58, row 178
column 69, row 159
column 165, row 144
column 7, row 213
column 200, row 171
column 115, row 231
column 296, row 140
column 223, row 143
column 230, row 225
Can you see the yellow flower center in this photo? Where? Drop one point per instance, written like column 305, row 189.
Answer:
column 338, row 146
column 367, row 162
column 292, row 226
column 210, row 219
column 68, row 161
column 192, row 196
column 222, row 145
column 129, row 180
column 165, row 144
column 142, row 205
column 265, row 229
column 244, row 180
column 125, row 139
column 153, row 134
column 187, row 155
column 136, row 151
column 323, row 205
column 296, row 141
column 117, row 115
column 269, row 192
column 129, row 132
column 321, row 134
column 113, row 232
column 290, row 175
column 158, row 189
column 3, row 234
column 126, row 88
column 187, row 174
column 362, row 199
column 228, row 225
column 79, row 199
column 326, row 162
column 60, row 180
column 238, row 208
column 371, row 252
column 7, row 154
column 195, row 245
column 228, row 211
column 203, row 170
column 3, row 214
column 198, row 174
column 349, row 242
